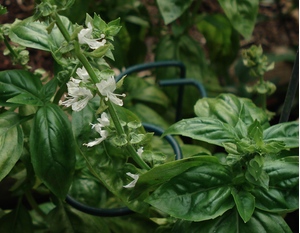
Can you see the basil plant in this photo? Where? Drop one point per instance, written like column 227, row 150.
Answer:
column 248, row 186
column 69, row 135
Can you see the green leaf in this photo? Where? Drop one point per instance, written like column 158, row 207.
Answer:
column 231, row 222
column 222, row 40
column 66, row 219
column 283, row 193
column 242, row 14
column 171, row 10
column 205, row 129
column 230, row 109
column 17, row 221
column 11, row 147
column 52, row 149
column 255, row 133
column 153, row 178
column 147, row 114
column 199, row 193
column 106, row 162
column 287, row 132
column 14, row 83
column 25, row 98
column 33, row 34
column 49, row 90
column 191, row 54
column 245, row 203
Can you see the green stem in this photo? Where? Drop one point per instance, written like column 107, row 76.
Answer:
column 62, row 27
column 84, row 61
column 33, row 204
column 120, row 131
column 10, row 48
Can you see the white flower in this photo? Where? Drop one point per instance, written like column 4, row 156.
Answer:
column 107, row 87
column 103, row 121
column 103, row 134
column 85, row 37
column 135, row 178
column 83, row 75
column 140, row 151
column 78, row 97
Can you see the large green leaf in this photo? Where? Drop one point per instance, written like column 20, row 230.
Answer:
column 207, row 129
column 230, row 109
column 151, row 179
column 287, row 132
column 34, row 34
column 19, row 87
column 242, row 14
column 200, row 193
column 52, row 149
column 11, row 143
column 230, row 222
column 283, row 192
column 172, row 9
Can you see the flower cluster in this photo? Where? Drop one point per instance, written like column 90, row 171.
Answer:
column 78, row 96
column 78, row 93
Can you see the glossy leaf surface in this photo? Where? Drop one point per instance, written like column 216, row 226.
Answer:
column 11, row 142
column 288, row 133
column 230, row 109
column 52, row 149
column 231, row 222
column 19, row 87
column 198, row 194
column 205, row 129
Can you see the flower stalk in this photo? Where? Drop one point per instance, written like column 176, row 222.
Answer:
column 84, row 61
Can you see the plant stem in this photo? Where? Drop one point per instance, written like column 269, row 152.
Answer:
column 10, row 48
column 33, row 204
column 62, row 27
column 120, row 131
column 84, row 61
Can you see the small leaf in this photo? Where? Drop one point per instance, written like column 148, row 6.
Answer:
column 245, row 203
column 255, row 132
column 171, row 10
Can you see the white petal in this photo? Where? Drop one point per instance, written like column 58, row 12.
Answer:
column 135, row 178
column 83, row 74
column 104, row 120
column 140, row 151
